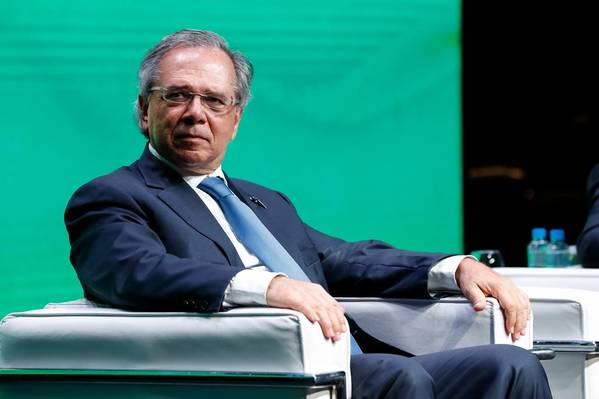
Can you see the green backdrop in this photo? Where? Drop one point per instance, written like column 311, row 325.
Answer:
column 356, row 116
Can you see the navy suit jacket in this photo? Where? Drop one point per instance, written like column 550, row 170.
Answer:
column 588, row 241
column 142, row 239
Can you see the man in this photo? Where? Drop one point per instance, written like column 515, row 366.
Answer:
column 588, row 241
column 158, row 234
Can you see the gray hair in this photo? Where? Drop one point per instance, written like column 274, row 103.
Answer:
column 149, row 70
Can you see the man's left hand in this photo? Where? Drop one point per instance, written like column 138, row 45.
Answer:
column 478, row 281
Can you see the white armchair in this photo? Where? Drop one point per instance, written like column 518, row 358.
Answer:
column 565, row 302
column 246, row 352
column 567, row 322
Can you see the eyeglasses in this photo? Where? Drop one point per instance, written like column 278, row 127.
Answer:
column 178, row 96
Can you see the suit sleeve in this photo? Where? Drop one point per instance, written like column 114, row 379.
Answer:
column 373, row 268
column 370, row 268
column 588, row 241
column 120, row 259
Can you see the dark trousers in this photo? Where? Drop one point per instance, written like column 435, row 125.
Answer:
column 485, row 372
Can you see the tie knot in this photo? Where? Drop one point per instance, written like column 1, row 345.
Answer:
column 216, row 187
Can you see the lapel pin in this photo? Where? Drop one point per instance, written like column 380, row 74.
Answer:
column 257, row 201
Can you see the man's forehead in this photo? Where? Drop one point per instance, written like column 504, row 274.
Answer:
column 193, row 65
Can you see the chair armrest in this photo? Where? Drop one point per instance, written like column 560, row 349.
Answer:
column 567, row 321
column 81, row 335
column 565, row 314
column 421, row 326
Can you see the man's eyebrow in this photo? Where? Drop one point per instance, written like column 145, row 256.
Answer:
column 214, row 93
column 178, row 87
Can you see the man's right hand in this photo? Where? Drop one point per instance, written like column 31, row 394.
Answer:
column 311, row 300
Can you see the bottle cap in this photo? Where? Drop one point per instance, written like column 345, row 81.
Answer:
column 539, row 233
column 557, row 234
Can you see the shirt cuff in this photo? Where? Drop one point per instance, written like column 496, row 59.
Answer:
column 248, row 287
column 441, row 277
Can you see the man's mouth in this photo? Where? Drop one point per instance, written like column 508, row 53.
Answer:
column 191, row 138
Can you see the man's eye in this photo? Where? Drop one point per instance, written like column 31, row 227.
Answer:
column 176, row 96
column 214, row 101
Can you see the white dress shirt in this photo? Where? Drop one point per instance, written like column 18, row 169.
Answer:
column 249, row 286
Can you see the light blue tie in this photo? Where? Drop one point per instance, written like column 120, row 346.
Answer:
column 250, row 230
column 254, row 235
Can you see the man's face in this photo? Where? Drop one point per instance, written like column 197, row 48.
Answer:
column 191, row 136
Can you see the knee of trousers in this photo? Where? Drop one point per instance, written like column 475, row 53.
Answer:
column 399, row 374
column 414, row 377
column 505, row 358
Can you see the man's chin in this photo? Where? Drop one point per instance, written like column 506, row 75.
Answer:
column 197, row 164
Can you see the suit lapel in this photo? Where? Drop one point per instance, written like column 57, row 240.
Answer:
column 268, row 218
column 185, row 203
column 182, row 199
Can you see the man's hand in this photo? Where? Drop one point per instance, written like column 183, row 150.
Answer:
column 478, row 281
column 311, row 300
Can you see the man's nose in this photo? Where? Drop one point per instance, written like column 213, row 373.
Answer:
column 195, row 112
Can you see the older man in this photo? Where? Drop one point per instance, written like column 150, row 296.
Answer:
column 172, row 231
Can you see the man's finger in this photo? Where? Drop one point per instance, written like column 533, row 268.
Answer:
column 326, row 324
column 340, row 315
column 327, row 306
column 520, row 327
column 516, row 310
column 511, row 316
column 476, row 297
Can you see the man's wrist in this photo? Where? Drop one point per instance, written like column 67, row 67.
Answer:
column 248, row 288
column 442, row 278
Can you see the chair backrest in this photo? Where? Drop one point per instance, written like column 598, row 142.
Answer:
column 558, row 277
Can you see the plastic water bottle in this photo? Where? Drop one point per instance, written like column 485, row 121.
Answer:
column 537, row 247
column 557, row 253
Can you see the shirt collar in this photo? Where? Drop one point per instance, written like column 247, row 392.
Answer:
column 192, row 180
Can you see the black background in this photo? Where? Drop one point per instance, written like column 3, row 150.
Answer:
column 530, row 108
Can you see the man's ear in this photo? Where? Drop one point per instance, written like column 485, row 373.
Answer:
column 143, row 107
column 238, row 114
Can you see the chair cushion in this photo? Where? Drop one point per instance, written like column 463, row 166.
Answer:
column 81, row 335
